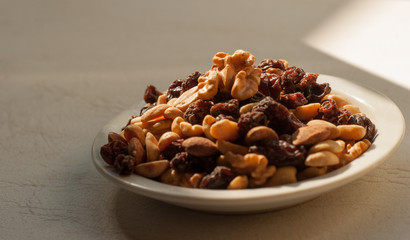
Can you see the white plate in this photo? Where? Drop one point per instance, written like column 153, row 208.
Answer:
column 380, row 109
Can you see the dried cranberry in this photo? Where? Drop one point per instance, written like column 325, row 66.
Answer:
column 172, row 149
column 315, row 92
column 270, row 85
column 230, row 108
column 185, row 162
column 271, row 63
column 293, row 100
column 151, row 94
column 197, row 111
column 219, row 178
column 279, row 117
column 371, row 131
column 125, row 164
column 111, row 150
column 281, row 153
column 291, row 78
column 191, row 81
column 249, row 120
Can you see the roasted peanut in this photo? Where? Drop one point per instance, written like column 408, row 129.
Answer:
column 151, row 147
column 225, row 146
column 195, row 179
column 154, row 112
column 259, row 134
column 135, row 120
column 307, row 112
column 239, row 182
column 189, row 130
column 172, row 113
column 322, row 159
column 200, row 146
column 159, row 127
column 152, row 169
column 247, row 108
column 162, row 99
column 166, row 139
column 351, row 108
column 334, row 131
column 351, row 132
column 206, row 126
column 136, row 149
column 171, row 101
column 224, row 130
column 339, row 99
column 283, row 175
column 132, row 131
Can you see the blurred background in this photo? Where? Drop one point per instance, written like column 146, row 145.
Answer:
column 68, row 67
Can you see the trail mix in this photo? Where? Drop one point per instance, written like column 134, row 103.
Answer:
column 240, row 126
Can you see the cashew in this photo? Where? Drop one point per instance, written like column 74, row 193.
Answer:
column 224, row 130
column 166, row 139
column 321, row 159
column 151, row 147
column 225, row 146
column 189, row 130
column 152, row 169
column 247, row 108
column 351, row 132
column 175, row 126
column 206, row 126
column 328, row 145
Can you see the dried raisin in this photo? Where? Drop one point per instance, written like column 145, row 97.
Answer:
column 197, row 111
column 172, row 149
column 371, row 131
column 291, row 78
column 250, row 120
column 111, row 150
column 271, row 63
column 187, row 163
column 230, row 108
column 293, row 100
column 219, row 178
column 151, row 94
column 125, row 164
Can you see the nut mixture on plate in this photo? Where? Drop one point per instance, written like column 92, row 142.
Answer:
column 240, row 126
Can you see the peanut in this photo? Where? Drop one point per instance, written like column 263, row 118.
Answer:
column 162, row 99
column 260, row 134
column 247, row 108
column 132, row 131
column 154, row 112
column 225, row 130
column 351, row 108
column 239, row 182
column 206, row 126
column 186, row 98
column 339, row 99
column 351, row 132
column 172, row 113
column 175, row 126
column 136, row 149
column 307, row 112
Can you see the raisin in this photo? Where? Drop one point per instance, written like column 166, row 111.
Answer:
column 281, row 153
column 329, row 111
column 307, row 80
column 197, row 111
column 219, row 178
column 221, row 97
column 125, row 164
column 175, row 89
column 279, row 117
column 271, row 63
column 191, row 81
column 371, row 131
column 291, row 78
column 249, row 120
column 315, row 92
column 270, row 85
column 111, row 150
column 172, row 149
column 151, row 94
column 255, row 98
column 293, row 100
column 187, row 163
column 230, row 108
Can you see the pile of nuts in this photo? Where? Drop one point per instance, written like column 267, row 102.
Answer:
column 240, row 126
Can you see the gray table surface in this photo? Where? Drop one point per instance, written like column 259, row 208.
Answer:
column 67, row 67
